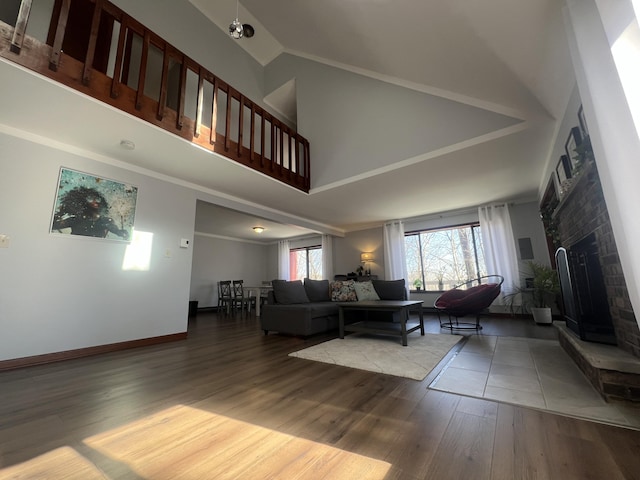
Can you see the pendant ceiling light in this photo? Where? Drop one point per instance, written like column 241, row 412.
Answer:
column 236, row 30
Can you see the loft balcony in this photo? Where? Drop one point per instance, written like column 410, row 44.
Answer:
column 94, row 47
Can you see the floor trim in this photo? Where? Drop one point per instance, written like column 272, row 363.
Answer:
column 86, row 352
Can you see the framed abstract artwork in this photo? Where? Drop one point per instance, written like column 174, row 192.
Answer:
column 92, row 206
column 563, row 169
column 584, row 130
column 573, row 140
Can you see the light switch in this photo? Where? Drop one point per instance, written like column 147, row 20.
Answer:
column 184, row 243
column 4, row 241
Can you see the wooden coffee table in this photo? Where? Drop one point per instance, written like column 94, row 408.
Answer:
column 386, row 328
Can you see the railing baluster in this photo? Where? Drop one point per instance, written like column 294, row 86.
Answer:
column 117, row 71
column 273, row 142
column 164, row 81
column 240, row 125
column 307, row 163
column 227, row 126
column 128, row 50
column 21, row 26
column 252, row 140
column 142, row 72
column 296, row 151
column 54, row 59
column 182, row 95
column 199, row 104
column 290, row 150
column 214, row 112
column 262, row 139
column 91, row 48
column 281, row 143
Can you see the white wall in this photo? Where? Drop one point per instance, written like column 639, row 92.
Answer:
column 61, row 292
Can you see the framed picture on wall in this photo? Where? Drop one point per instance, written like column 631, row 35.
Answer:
column 584, row 130
column 92, row 206
column 563, row 169
column 573, row 140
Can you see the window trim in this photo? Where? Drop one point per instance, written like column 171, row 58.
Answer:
column 472, row 225
column 306, row 249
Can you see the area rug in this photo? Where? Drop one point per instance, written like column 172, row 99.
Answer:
column 384, row 354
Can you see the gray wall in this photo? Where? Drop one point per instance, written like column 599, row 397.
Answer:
column 400, row 123
column 60, row 292
column 347, row 251
column 216, row 259
column 183, row 26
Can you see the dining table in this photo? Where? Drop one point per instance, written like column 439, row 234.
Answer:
column 259, row 289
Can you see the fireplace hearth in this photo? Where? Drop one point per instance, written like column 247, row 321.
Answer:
column 584, row 295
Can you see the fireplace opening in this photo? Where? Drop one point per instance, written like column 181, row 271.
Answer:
column 584, row 296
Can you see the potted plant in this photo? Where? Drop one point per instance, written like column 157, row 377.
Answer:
column 540, row 295
column 417, row 283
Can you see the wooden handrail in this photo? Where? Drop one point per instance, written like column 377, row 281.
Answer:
column 121, row 89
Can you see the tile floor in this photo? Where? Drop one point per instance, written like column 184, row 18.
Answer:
column 529, row 372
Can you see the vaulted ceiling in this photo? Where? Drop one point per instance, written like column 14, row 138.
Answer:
column 503, row 56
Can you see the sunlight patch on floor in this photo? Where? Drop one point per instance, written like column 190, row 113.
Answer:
column 185, row 442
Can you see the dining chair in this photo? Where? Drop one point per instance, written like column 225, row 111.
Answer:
column 241, row 298
column 225, row 296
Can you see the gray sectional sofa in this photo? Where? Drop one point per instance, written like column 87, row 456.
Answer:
column 304, row 309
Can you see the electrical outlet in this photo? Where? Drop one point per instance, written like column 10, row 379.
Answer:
column 4, row 241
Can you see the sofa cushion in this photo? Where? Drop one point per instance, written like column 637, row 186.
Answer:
column 289, row 293
column 343, row 291
column 365, row 291
column 317, row 290
column 390, row 289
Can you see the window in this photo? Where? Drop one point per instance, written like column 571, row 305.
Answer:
column 440, row 259
column 305, row 262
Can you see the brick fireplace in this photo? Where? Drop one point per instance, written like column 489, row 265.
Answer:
column 580, row 223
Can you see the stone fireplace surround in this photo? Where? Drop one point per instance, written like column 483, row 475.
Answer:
column 613, row 370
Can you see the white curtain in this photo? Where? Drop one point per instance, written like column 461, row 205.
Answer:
column 283, row 259
column 395, row 265
column 499, row 245
column 327, row 257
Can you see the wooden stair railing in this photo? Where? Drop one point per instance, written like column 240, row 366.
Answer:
column 116, row 66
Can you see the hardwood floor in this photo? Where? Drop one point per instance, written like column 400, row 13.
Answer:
column 229, row 403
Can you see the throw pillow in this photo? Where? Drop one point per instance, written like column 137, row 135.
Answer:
column 289, row 293
column 390, row 289
column 365, row 291
column 317, row 290
column 343, row 291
